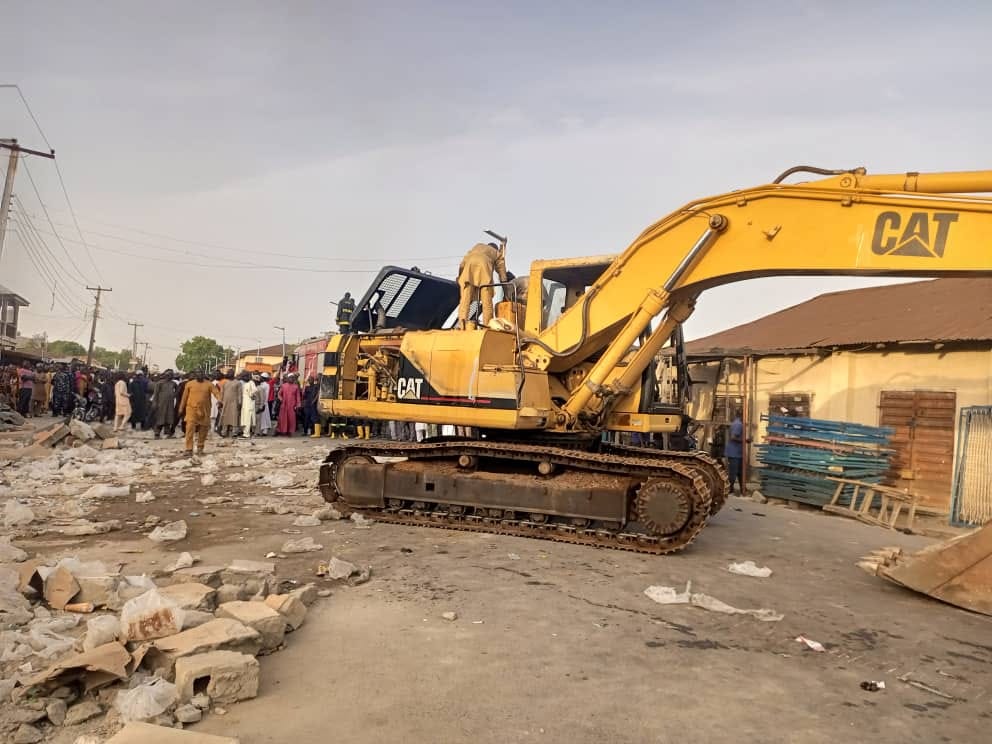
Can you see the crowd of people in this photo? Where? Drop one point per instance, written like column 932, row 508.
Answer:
column 245, row 405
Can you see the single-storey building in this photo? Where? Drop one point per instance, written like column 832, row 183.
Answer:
column 914, row 356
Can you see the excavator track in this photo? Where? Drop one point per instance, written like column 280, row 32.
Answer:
column 716, row 474
column 661, row 504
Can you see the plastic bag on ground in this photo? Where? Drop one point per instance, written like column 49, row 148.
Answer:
column 361, row 521
column 103, row 491
column 279, row 479
column 169, row 532
column 16, row 514
column 150, row 616
column 750, row 568
column 143, row 497
column 306, row 520
column 669, row 595
column 100, row 630
column 303, row 545
column 146, row 700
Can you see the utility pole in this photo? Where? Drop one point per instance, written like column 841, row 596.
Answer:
column 144, row 354
column 280, row 328
column 134, row 343
column 96, row 314
column 8, row 184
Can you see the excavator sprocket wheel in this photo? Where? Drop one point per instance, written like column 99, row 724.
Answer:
column 663, row 507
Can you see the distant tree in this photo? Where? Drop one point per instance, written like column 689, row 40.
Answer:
column 66, row 349
column 112, row 359
column 200, row 352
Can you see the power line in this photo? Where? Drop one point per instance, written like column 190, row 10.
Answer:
column 27, row 106
column 58, row 171
column 69, row 301
column 216, row 246
column 24, row 220
column 44, row 209
column 234, row 266
column 231, row 264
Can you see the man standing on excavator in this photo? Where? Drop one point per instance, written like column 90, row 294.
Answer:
column 346, row 308
column 475, row 279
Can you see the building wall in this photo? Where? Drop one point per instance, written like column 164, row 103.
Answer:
column 846, row 385
column 257, row 363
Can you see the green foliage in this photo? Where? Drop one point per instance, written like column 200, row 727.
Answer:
column 66, row 349
column 112, row 359
column 201, row 352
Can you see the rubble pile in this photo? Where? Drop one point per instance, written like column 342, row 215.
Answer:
column 84, row 643
column 79, row 641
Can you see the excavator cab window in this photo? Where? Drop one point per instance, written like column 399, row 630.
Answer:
column 554, row 294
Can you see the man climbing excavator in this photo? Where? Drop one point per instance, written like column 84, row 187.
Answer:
column 541, row 392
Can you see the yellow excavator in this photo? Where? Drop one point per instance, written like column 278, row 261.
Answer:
column 577, row 359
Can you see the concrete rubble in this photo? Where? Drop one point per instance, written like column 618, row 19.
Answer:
column 81, row 641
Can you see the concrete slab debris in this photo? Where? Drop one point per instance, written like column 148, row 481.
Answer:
column 191, row 596
column 99, row 667
column 226, row 676
column 60, row 587
column 209, row 575
column 218, row 634
column 292, row 609
column 258, row 616
column 81, row 712
column 146, row 733
column 27, row 734
column 51, row 435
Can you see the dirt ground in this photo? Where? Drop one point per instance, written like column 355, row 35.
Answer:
column 558, row 643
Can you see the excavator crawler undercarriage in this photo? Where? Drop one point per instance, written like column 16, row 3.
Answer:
column 627, row 498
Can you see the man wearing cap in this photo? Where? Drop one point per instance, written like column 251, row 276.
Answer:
column 475, row 278
column 262, row 409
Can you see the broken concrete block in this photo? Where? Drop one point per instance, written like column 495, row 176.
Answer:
column 240, row 572
column 56, row 710
column 103, row 431
column 260, row 617
column 111, row 443
column 27, row 734
column 170, row 532
column 306, row 594
column 218, row 634
column 52, row 435
column 226, row 676
column 81, row 430
column 81, row 712
column 191, row 596
column 196, row 618
column 27, row 715
column 89, row 528
column 291, row 608
column 209, row 575
column 188, row 713
column 100, row 591
column 231, row 593
column 147, row 733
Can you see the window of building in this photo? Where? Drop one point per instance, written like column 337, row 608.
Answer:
column 795, row 405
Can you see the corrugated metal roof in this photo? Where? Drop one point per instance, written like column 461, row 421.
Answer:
column 938, row 310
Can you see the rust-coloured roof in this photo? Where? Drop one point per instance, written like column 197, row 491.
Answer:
column 938, row 310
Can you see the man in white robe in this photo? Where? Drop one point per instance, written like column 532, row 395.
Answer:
column 264, row 419
column 248, row 417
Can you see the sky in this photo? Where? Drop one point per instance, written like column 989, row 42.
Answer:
column 234, row 166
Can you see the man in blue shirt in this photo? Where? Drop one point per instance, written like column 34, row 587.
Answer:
column 733, row 450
